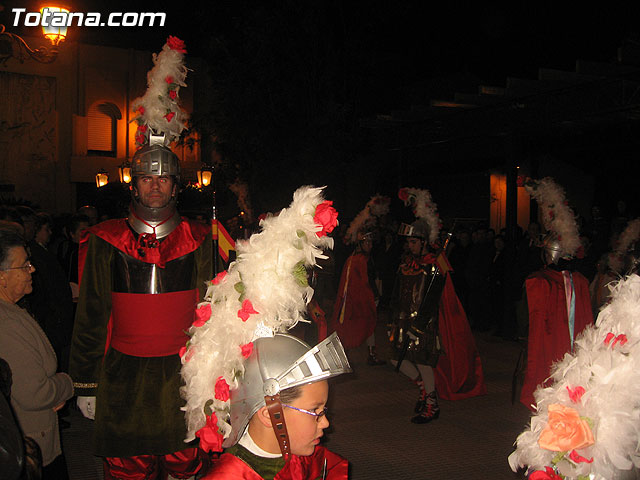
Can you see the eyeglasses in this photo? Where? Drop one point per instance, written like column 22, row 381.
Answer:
column 318, row 415
column 25, row 267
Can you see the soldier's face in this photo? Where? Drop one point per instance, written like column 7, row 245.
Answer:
column 154, row 191
column 415, row 245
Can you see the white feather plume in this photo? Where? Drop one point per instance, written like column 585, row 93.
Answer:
column 269, row 272
column 160, row 111
column 557, row 216
column 423, row 207
column 377, row 207
column 606, row 363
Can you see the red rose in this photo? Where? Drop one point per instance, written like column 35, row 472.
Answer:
column 210, row 437
column 176, row 44
column 168, row 79
column 577, row 458
column 222, row 389
column 520, row 180
column 141, row 110
column 142, row 128
column 403, row 194
column 173, row 94
column 203, row 314
column 576, row 394
column 169, row 116
column 219, row 277
column 247, row 349
column 246, row 310
column 549, row 474
column 327, row 217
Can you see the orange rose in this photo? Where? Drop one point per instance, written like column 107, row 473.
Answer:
column 565, row 430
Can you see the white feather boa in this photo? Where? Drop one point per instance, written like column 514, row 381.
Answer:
column 377, row 207
column 556, row 214
column 270, row 273
column 606, row 364
column 158, row 108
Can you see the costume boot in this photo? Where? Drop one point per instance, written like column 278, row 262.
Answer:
column 430, row 409
column 373, row 358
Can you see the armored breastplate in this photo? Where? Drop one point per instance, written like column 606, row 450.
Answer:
column 134, row 276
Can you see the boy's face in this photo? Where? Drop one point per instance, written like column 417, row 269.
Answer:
column 305, row 430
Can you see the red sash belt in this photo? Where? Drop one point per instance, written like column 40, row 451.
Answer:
column 152, row 325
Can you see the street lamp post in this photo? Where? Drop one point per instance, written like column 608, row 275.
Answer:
column 12, row 45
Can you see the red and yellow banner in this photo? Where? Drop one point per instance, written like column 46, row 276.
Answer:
column 225, row 242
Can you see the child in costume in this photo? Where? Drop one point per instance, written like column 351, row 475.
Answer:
column 250, row 388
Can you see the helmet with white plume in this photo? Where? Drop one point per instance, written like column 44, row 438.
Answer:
column 236, row 354
column 160, row 122
column 425, row 210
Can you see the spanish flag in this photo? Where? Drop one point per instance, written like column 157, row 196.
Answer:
column 442, row 262
column 225, row 242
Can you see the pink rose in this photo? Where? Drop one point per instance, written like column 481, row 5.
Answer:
column 327, row 217
column 246, row 349
column 565, row 430
column 176, row 44
column 203, row 314
column 222, row 389
column 210, row 437
column 246, row 310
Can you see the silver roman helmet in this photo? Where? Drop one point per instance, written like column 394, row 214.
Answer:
column 552, row 249
column 278, row 363
column 154, row 159
column 419, row 229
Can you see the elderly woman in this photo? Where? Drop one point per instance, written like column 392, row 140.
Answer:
column 38, row 391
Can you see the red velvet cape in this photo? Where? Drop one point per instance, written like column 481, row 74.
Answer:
column 458, row 374
column 230, row 467
column 548, row 325
column 358, row 302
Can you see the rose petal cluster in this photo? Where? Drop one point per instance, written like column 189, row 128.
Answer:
column 210, row 437
column 246, row 349
column 203, row 314
column 326, row 216
column 222, row 389
column 548, row 474
column 565, row 430
column 176, row 44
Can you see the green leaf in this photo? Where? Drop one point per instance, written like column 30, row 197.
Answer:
column 239, row 288
column 300, row 274
column 558, row 458
column 301, row 234
column 207, row 407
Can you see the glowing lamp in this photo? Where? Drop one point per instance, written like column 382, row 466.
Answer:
column 102, row 178
column 55, row 31
column 204, row 176
column 124, row 172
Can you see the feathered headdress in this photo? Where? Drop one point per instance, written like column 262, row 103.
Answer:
column 627, row 239
column 159, row 109
column 423, row 207
column 368, row 217
column 264, row 291
column 587, row 424
column 557, row 216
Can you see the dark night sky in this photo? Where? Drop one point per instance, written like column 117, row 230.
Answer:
column 411, row 40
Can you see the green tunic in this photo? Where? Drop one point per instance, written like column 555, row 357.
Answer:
column 138, row 398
